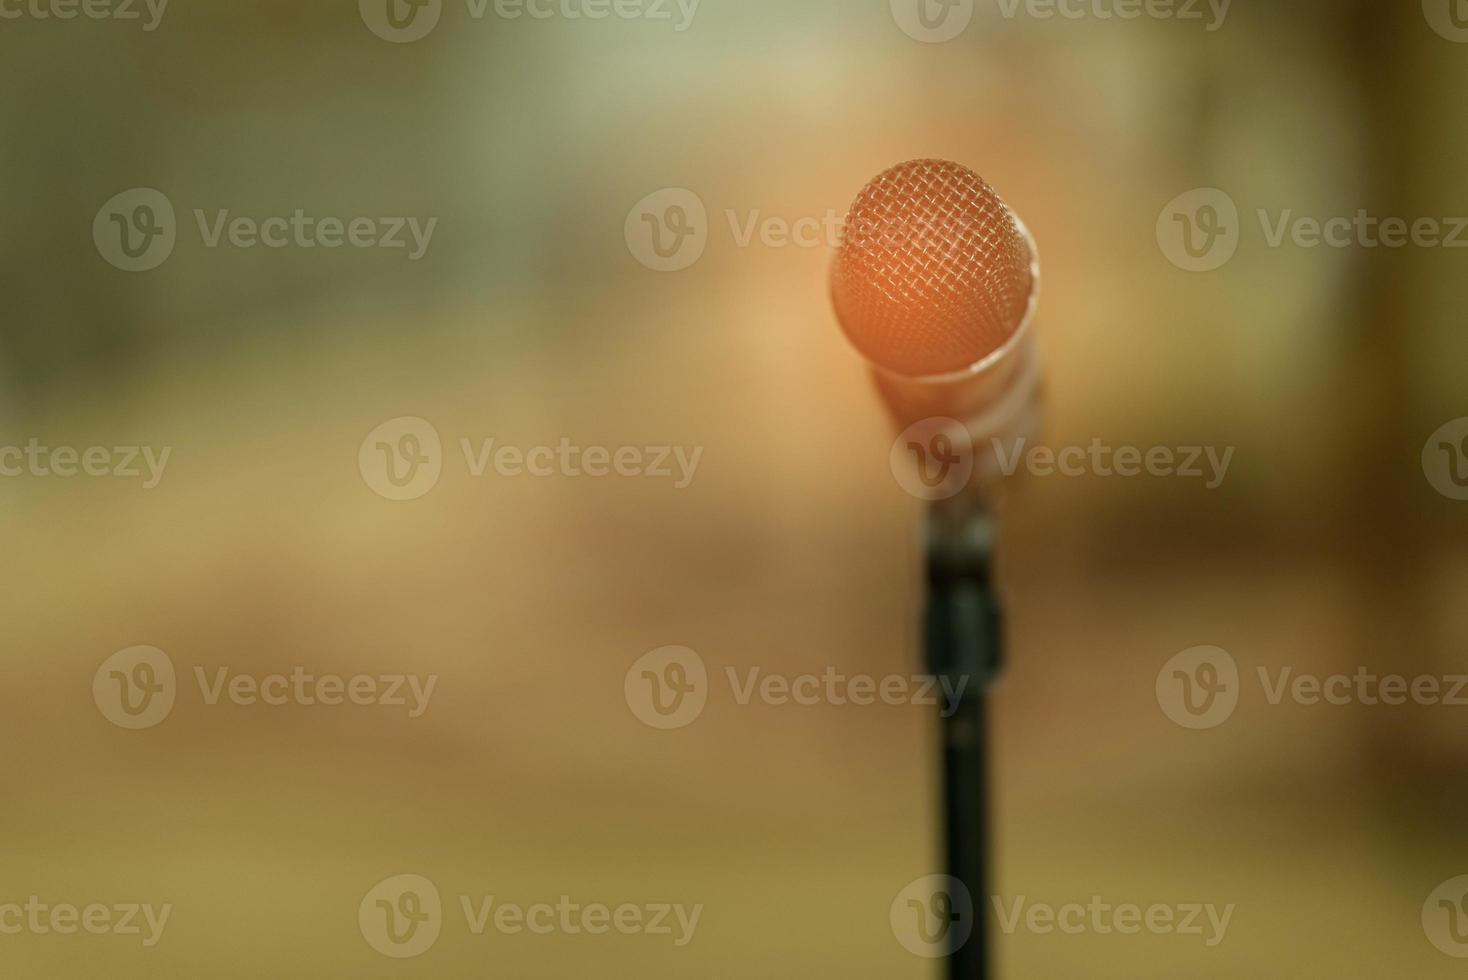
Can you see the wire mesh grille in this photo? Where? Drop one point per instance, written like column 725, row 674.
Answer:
column 933, row 273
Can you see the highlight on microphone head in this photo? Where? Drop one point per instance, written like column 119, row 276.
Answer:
column 935, row 279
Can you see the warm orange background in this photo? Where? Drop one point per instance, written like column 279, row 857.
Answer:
column 794, row 549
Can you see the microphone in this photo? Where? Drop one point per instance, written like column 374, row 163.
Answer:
column 936, row 283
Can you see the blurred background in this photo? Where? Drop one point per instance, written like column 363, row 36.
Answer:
column 529, row 319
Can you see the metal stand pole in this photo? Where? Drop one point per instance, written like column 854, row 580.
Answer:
column 962, row 633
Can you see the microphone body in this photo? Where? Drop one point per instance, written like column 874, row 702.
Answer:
column 937, row 284
column 942, row 305
column 998, row 399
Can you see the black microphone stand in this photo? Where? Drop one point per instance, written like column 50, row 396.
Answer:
column 961, row 639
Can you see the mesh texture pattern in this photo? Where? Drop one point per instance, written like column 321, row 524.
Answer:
column 933, row 273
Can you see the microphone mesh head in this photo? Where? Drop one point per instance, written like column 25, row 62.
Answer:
column 933, row 274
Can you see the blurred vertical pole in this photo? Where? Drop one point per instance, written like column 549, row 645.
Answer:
column 1384, row 40
column 961, row 639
